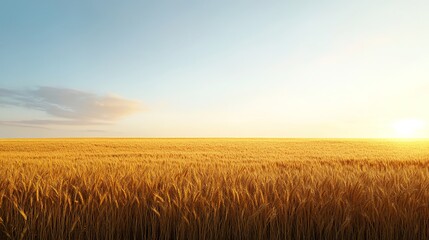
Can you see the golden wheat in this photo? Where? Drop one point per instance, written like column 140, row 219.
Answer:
column 214, row 189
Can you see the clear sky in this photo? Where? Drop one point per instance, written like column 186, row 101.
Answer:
column 214, row 68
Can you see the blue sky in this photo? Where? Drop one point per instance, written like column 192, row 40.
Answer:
column 213, row 68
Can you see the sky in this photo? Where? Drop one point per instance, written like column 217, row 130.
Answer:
column 311, row 69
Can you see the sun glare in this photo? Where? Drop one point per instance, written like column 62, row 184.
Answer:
column 408, row 128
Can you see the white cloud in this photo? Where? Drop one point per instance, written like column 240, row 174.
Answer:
column 68, row 106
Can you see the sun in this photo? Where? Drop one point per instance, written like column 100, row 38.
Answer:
column 408, row 128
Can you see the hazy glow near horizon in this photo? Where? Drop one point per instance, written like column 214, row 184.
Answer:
column 409, row 128
column 214, row 69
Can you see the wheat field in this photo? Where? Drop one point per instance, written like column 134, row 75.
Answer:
column 214, row 189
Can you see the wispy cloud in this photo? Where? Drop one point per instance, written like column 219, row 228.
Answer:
column 68, row 106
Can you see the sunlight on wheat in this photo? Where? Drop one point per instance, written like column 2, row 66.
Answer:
column 214, row 189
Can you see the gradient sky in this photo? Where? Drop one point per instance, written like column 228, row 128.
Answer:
column 213, row 68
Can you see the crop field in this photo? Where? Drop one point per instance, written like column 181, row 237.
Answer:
column 214, row 189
